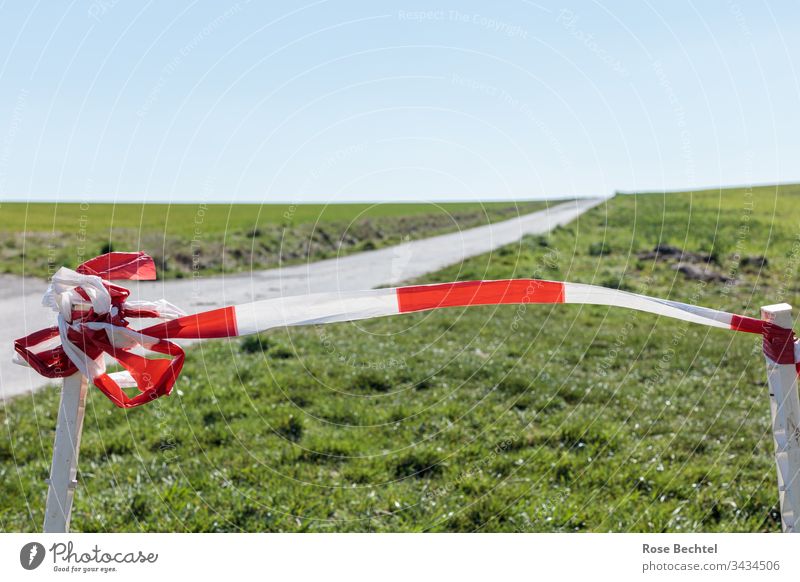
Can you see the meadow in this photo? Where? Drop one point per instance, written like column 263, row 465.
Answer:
column 209, row 239
column 543, row 418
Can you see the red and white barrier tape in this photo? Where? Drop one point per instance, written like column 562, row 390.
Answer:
column 93, row 320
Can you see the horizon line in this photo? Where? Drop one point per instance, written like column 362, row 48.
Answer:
column 697, row 189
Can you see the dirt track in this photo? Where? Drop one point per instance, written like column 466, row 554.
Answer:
column 22, row 313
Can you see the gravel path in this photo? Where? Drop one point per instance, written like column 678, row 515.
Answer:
column 20, row 298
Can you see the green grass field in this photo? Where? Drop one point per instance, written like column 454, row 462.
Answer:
column 550, row 418
column 37, row 238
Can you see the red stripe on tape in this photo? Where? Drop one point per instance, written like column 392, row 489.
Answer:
column 747, row 324
column 115, row 265
column 207, row 325
column 422, row 297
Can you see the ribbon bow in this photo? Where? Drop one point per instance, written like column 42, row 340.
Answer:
column 93, row 320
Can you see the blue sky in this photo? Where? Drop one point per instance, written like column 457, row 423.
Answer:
column 338, row 101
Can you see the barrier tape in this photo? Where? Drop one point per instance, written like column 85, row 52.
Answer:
column 93, row 321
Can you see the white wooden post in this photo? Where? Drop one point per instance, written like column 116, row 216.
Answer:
column 63, row 472
column 785, row 408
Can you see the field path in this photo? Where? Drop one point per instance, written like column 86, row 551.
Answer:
column 21, row 311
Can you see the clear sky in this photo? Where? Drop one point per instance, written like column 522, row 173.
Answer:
column 437, row 100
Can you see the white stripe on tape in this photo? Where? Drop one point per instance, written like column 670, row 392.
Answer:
column 314, row 309
column 592, row 295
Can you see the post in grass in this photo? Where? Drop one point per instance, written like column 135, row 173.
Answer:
column 66, row 447
column 785, row 409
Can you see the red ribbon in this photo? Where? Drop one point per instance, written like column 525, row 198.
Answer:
column 154, row 377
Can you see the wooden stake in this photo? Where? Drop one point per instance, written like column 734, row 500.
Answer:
column 785, row 408
column 63, row 471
